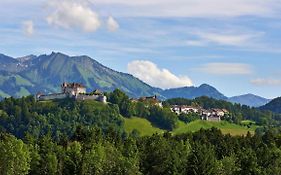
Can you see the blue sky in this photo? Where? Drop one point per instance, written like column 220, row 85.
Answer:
column 233, row 45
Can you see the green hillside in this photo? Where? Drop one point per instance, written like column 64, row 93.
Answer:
column 274, row 105
column 225, row 127
column 14, row 85
column 145, row 127
column 142, row 125
column 45, row 73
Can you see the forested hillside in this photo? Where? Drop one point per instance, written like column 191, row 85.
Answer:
column 237, row 112
column 274, row 105
column 207, row 152
column 88, row 137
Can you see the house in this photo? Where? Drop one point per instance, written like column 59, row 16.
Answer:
column 213, row 114
column 179, row 109
column 189, row 109
column 218, row 112
column 176, row 109
column 205, row 114
column 150, row 99
column 73, row 90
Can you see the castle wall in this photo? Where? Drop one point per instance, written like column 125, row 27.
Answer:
column 52, row 96
column 99, row 98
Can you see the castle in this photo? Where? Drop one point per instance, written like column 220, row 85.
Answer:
column 73, row 90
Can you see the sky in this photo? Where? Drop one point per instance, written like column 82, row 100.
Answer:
column 233, row 45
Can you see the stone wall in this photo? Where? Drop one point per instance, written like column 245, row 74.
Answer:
column 99, row 98
column 52, row 96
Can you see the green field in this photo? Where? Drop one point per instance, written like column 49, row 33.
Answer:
column 142, row 125
column 248, row 122
column 225, row 127
column 145, row 128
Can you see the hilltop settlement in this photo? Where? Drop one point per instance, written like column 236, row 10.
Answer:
column 77, row 91
column 213, row 114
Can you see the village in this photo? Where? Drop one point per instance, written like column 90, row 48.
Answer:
column 77, row 91
column 213, row 114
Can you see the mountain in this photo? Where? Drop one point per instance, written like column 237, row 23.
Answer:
column 193, row 92
column 31, row 74
column 274, row 105
column 45, row 73
column 249, row 100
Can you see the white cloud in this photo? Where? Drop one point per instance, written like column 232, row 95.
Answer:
column 73, row 14
column 28, row 28
column 266, row 82
column 226, row 68
column 151, row 74
column 198, row 43
column 112, row 24
column 194, row 8
column 226, row 39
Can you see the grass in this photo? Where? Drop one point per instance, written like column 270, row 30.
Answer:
column 225, row 127
column 146, row 129
column 21, row 81
column 142, row 125
column 248, row 122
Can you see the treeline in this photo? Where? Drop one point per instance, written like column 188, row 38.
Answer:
column 238, row 112
column 62, row 117
column 59, row 118
column 86, row 137
column 163, row 118
column 92, row 151
column 274, row 105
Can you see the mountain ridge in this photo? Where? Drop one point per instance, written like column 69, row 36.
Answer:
column 44, row 73
column 193, row 92
column 249, row 100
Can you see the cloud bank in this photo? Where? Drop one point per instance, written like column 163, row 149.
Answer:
column 266, row 82
column 150, row 73
column 194, row 8
column 226, row 68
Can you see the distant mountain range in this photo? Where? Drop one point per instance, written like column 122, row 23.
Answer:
column 193, row 92
column 31, row 74
column 249, row 100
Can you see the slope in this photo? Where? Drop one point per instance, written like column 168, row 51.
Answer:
column 274, row 105
column 45, row 73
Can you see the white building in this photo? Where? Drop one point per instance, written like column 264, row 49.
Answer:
column 179, row 109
